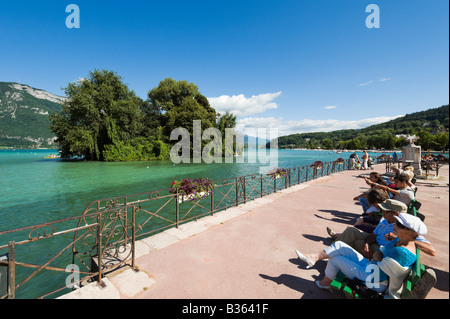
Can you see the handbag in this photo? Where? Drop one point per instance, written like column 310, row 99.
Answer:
column 361, row 289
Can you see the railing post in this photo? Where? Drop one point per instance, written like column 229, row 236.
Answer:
column 133, row 237
column 99, row 248
column 245, row 193
column 286, row 179
column 212, row 200
column 11, row 270
column 262, row 185
column 237, row 192
column 177, row 210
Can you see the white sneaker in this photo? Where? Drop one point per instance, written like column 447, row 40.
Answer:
column 306, row 260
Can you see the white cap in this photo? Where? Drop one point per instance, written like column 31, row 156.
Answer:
column 412, row 222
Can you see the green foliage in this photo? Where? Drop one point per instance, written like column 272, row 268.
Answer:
column 139, row 149
column 104, row 120
column 180, row 103
column 99, row 111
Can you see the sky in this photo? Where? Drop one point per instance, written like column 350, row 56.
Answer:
column 293, row 65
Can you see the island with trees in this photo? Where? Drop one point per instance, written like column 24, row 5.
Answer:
column 102, row 119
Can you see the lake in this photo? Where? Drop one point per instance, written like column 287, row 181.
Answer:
column 35, row 190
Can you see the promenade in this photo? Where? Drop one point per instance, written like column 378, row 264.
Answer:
column 248, row 252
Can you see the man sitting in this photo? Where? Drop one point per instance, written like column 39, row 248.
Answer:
column 366, row 244
column 403, row 193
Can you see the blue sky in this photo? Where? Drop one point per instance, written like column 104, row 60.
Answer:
column 299, row 66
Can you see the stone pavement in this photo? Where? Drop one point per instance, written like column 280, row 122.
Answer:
column 248, row 252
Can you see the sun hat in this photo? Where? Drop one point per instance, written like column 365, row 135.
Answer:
column 394, row 205
column 412, row 222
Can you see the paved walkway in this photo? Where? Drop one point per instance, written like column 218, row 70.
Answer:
column 248, row 252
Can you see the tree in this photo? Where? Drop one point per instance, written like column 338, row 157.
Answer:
column 327, row 144
column 172, row 96
column 98, row 111
column 152, row 120
column 425, row 139
column 227, row 121
column 440, row 141
column 180, row 103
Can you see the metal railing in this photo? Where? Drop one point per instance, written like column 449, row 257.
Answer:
column 77, row 250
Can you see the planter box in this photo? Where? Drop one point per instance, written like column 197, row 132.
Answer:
column 277, row 176
column 190, row 197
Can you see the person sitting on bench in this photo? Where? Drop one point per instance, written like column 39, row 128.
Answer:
column 367, row 243
column 342, row 257
column 403, row 193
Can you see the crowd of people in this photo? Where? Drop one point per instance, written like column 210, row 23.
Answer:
column 356, row 163
column 380, row 248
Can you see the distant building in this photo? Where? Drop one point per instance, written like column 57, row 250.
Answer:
column 411, row 138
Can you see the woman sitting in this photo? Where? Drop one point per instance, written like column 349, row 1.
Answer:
column 410, row 176
column 370, row 219
column 363, row 198
column 391, row 263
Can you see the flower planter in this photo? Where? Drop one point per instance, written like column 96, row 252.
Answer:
column 317, row 165
column 183, row 198
column 191, row 189
column 279, row 173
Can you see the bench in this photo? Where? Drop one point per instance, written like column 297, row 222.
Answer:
column 413, row 209
column 341, row 282
column 416, row 285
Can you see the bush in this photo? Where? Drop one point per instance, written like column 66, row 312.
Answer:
column 140, row 149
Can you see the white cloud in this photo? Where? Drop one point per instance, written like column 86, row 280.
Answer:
column 250, row 124
column 371, row 81
column 330, row 107
column 240, row 105
column 366, row 83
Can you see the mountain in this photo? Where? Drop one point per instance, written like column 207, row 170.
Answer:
column 24, row 112
column 433, row 121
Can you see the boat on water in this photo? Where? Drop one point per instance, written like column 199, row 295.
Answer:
column 52, row 156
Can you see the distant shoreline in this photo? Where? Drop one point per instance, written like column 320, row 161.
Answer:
column 285, row 149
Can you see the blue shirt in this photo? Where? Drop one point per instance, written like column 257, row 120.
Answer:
column 400, row 254
column 384, row 228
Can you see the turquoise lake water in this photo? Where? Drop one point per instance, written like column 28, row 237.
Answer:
column 34, row 190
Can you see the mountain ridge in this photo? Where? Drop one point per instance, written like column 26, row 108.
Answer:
column 24, row 112
column 432, row 121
